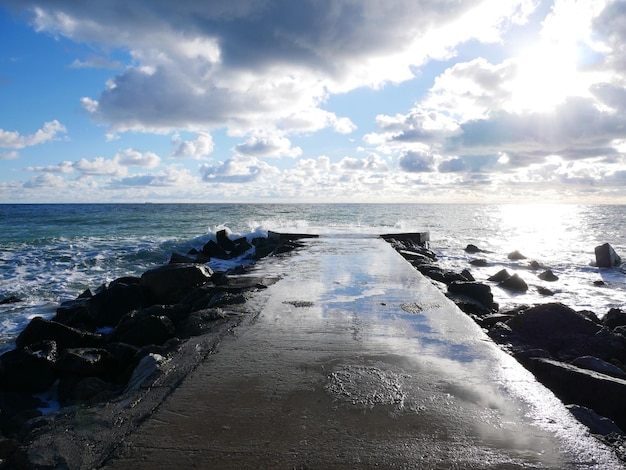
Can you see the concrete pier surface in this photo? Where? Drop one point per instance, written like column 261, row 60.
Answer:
column 357, row 361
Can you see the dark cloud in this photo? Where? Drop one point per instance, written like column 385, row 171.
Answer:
column 416, row 162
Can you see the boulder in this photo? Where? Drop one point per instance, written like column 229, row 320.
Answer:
column 545, row 291
column 110, row 305
column 84, row 390
column 213, row 250
column 415, row 258
column 615, row 317
column 479, row 262
column 474, row 290
column 472, row 249
column 573, row 385
column 514, row 284
column 199, row 322
column 139, row 330
column 515, row 255
column 85, row 362
column 606, row 257
column 224, row 242
column 76, row 314
column 598, row 365
column 500, row 276
column 30, row 369
column 548, row 275
column 241, row 246
column 10, row 300
column 554, row 327
column 166, row 284
column 39, row 329
column 597, row 424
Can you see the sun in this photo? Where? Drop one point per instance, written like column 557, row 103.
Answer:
column 543, row 77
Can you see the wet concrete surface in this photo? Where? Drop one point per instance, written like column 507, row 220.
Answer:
column 357, row 361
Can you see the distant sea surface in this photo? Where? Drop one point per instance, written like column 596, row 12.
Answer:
column 50, row 253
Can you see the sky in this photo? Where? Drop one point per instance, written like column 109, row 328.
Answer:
column 313, row 101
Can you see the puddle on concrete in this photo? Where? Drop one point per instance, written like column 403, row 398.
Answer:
column 367, row 386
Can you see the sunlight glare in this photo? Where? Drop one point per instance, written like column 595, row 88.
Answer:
column 546, row 76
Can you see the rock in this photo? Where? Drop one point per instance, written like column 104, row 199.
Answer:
column 488, row 321
column 480, row 262
column 472, row 249
column 199, row 322
column 606, row 257
column 500, row 276
column 213, row 250
column 556, row 328
column 514, row 283
column 241, row 246
column 598, row 365
column 166, row 284
column 177, row 258
column 30, row 369
column 548, row 275
column 85, row 362
column 89, row 390
column 515, row 255
column 474, row 290
column 140, row 329
column 595, row 423
column 415, row 258
column 599, row 283
column 224, row 242
column 10, row 300
column 110, row 305
column 534, row 265
column 467, row 275
column 614, row 317
column 573, row 385
column 147, row 367
column 64, row 336
column 76, row 314
column 545, row 291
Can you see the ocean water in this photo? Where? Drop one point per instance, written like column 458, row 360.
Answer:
column 51, row 253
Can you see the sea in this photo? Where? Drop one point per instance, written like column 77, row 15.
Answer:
column 50, row 253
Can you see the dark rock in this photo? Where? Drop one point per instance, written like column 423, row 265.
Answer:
column 573, row 385
column 500, row 276
column 545, row 291
column 85, row 362
column 553, row 327
column 199, row 322
column 7, row 447
column 548, row 275
column 606, row 257
column 598, row 365
column 167, row 284
column 534, row 265
column 30, row 369
column 467, row 275
column 595, row 423
column 514, row 283
column 241, row 246
column 474, row 290
column 76, row 314
column 213, row 250
column 10, row 300
column 110, row 305
column 599, row 283
column 415, row 258
column 451, row 276
column 140, row 330
column 64, row 336
column 472, row 249
column 515, row 255
column 224, row 242
column 175, row 313
column 615, row 317
column 87, row 390
column 221, row 299
column 432, row 271
column 480, row 262
column 177, row 258
column 488, row 321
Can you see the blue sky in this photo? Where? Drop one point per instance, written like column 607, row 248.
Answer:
column 342, row 101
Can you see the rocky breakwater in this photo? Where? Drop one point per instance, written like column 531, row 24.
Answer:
column 109, row 342
column 580, row 357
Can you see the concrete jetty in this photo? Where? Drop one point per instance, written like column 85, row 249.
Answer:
column 357, row 361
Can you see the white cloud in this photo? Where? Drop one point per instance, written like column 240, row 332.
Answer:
column 268, row 146
column 99, row 166
column 202, row 146
column 169, row 177
column 238, row 169
column 265, row 65
column 45, row 181
column 12, row 155
column 64, row 167
column 49, row 131
column 132, row 157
